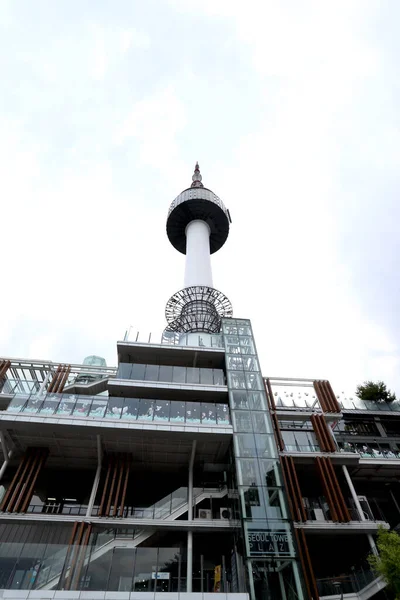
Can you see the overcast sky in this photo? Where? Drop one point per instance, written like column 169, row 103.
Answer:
column 291, row 108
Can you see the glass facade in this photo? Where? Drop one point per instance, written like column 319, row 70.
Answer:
column 133, row 409
column 170, row 374
column 273, row 569
column 40, row 559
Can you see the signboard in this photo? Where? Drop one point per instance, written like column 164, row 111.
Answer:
column 265, row 541
column 160, row 575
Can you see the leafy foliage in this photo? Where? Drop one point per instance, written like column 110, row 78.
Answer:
column 375, row 392
column 387, row 563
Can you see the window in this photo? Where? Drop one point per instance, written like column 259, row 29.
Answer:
column 152, row 372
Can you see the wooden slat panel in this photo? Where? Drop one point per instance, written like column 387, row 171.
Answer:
column 54, row 380
column 327, row 490
column 331, row 394
column 64, row 379
column 316, row 426
column 26, row 483
column 29, row 493
column 303, row 564
column 74, row 556
column 291, row 489
column 286, row 483
column 128, row 466
column 30, row 457
column 83, row 550
column 331, row 478
column 310, row 570
column 69, row 550
column 341, row 501
column 329, row 437
column 297, row 490
column 4, row 366
column 320, row 396
column 103, row 497
column 270, row 394
column 9, row 492
column 278, row 434
column 121, row 468
column 114, row 475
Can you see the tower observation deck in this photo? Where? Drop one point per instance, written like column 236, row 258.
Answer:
column 198, row 226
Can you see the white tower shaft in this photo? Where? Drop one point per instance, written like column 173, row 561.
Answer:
column 198, row 260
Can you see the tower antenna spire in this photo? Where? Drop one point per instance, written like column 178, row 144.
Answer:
column 197, row 225
column 196, row 177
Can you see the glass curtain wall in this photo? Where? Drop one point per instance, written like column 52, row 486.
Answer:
column 273, row 569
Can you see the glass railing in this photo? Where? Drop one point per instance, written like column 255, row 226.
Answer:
column 170, row 374
column 162, row 509
column 369, row 451
column 317, row 509
column 298, row 448
column 126, row 409
column 172, row 338
column 353, row 582
column 355, row 403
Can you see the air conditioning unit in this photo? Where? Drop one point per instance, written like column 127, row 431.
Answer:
column 204, row 513
column 225, row 514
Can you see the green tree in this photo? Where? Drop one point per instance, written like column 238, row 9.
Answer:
column 375, row 392
column 387, row 563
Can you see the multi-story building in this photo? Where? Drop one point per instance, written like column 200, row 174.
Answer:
column 182, row 471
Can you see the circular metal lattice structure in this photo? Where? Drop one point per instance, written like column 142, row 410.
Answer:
column 197, row 308
column 197, row 203
column 197, row 297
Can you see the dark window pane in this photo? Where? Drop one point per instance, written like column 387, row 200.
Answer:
column 165, row 374
column 192, row 375
column 206, row 376
column 179, row 375
column 219, row 377
column 124, row 371
column 138, row 372
column 152, row 372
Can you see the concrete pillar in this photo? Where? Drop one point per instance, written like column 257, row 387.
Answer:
column 358, row 506
column 6, row 454
column 96, row 478
column 42, row 388
column 189, row 570
column 198, row 260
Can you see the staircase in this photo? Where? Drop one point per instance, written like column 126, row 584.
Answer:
column 167, row 509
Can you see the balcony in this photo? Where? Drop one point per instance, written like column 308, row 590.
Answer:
column 375, row 450
column 171, row 507
column 319, row 519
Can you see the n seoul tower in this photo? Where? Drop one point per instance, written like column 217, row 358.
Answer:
column 198, row 226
